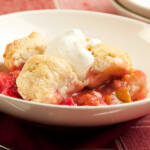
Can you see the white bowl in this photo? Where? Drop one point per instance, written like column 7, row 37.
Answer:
column 126, row 34
column 126, row 12
column 141, row 7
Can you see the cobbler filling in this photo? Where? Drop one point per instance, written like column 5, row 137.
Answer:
column 128, row 88
column 8, row 84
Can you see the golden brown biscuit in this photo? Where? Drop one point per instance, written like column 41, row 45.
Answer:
column 108, row 62
column 20, row 50
column 47, row 79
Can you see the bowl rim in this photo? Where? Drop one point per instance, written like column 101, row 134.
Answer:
column 68, row 11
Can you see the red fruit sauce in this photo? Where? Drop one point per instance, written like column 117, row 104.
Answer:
column 8, row 84
column 102, row 95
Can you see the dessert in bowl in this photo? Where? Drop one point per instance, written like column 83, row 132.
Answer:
column 74, row 79
column 72, row 70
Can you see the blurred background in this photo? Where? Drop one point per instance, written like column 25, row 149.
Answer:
column 137, row 9
column 8, row 6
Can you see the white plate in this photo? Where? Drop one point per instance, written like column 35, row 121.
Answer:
column 126, row 34
column 126, row 12
column 141, row 7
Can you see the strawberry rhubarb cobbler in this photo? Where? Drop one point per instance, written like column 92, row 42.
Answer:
column 70, row 70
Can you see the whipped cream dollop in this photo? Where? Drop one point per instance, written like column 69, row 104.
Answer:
column 73, row 47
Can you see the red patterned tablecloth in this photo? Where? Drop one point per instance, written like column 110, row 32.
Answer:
column 132, row 135
column 9, row 6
